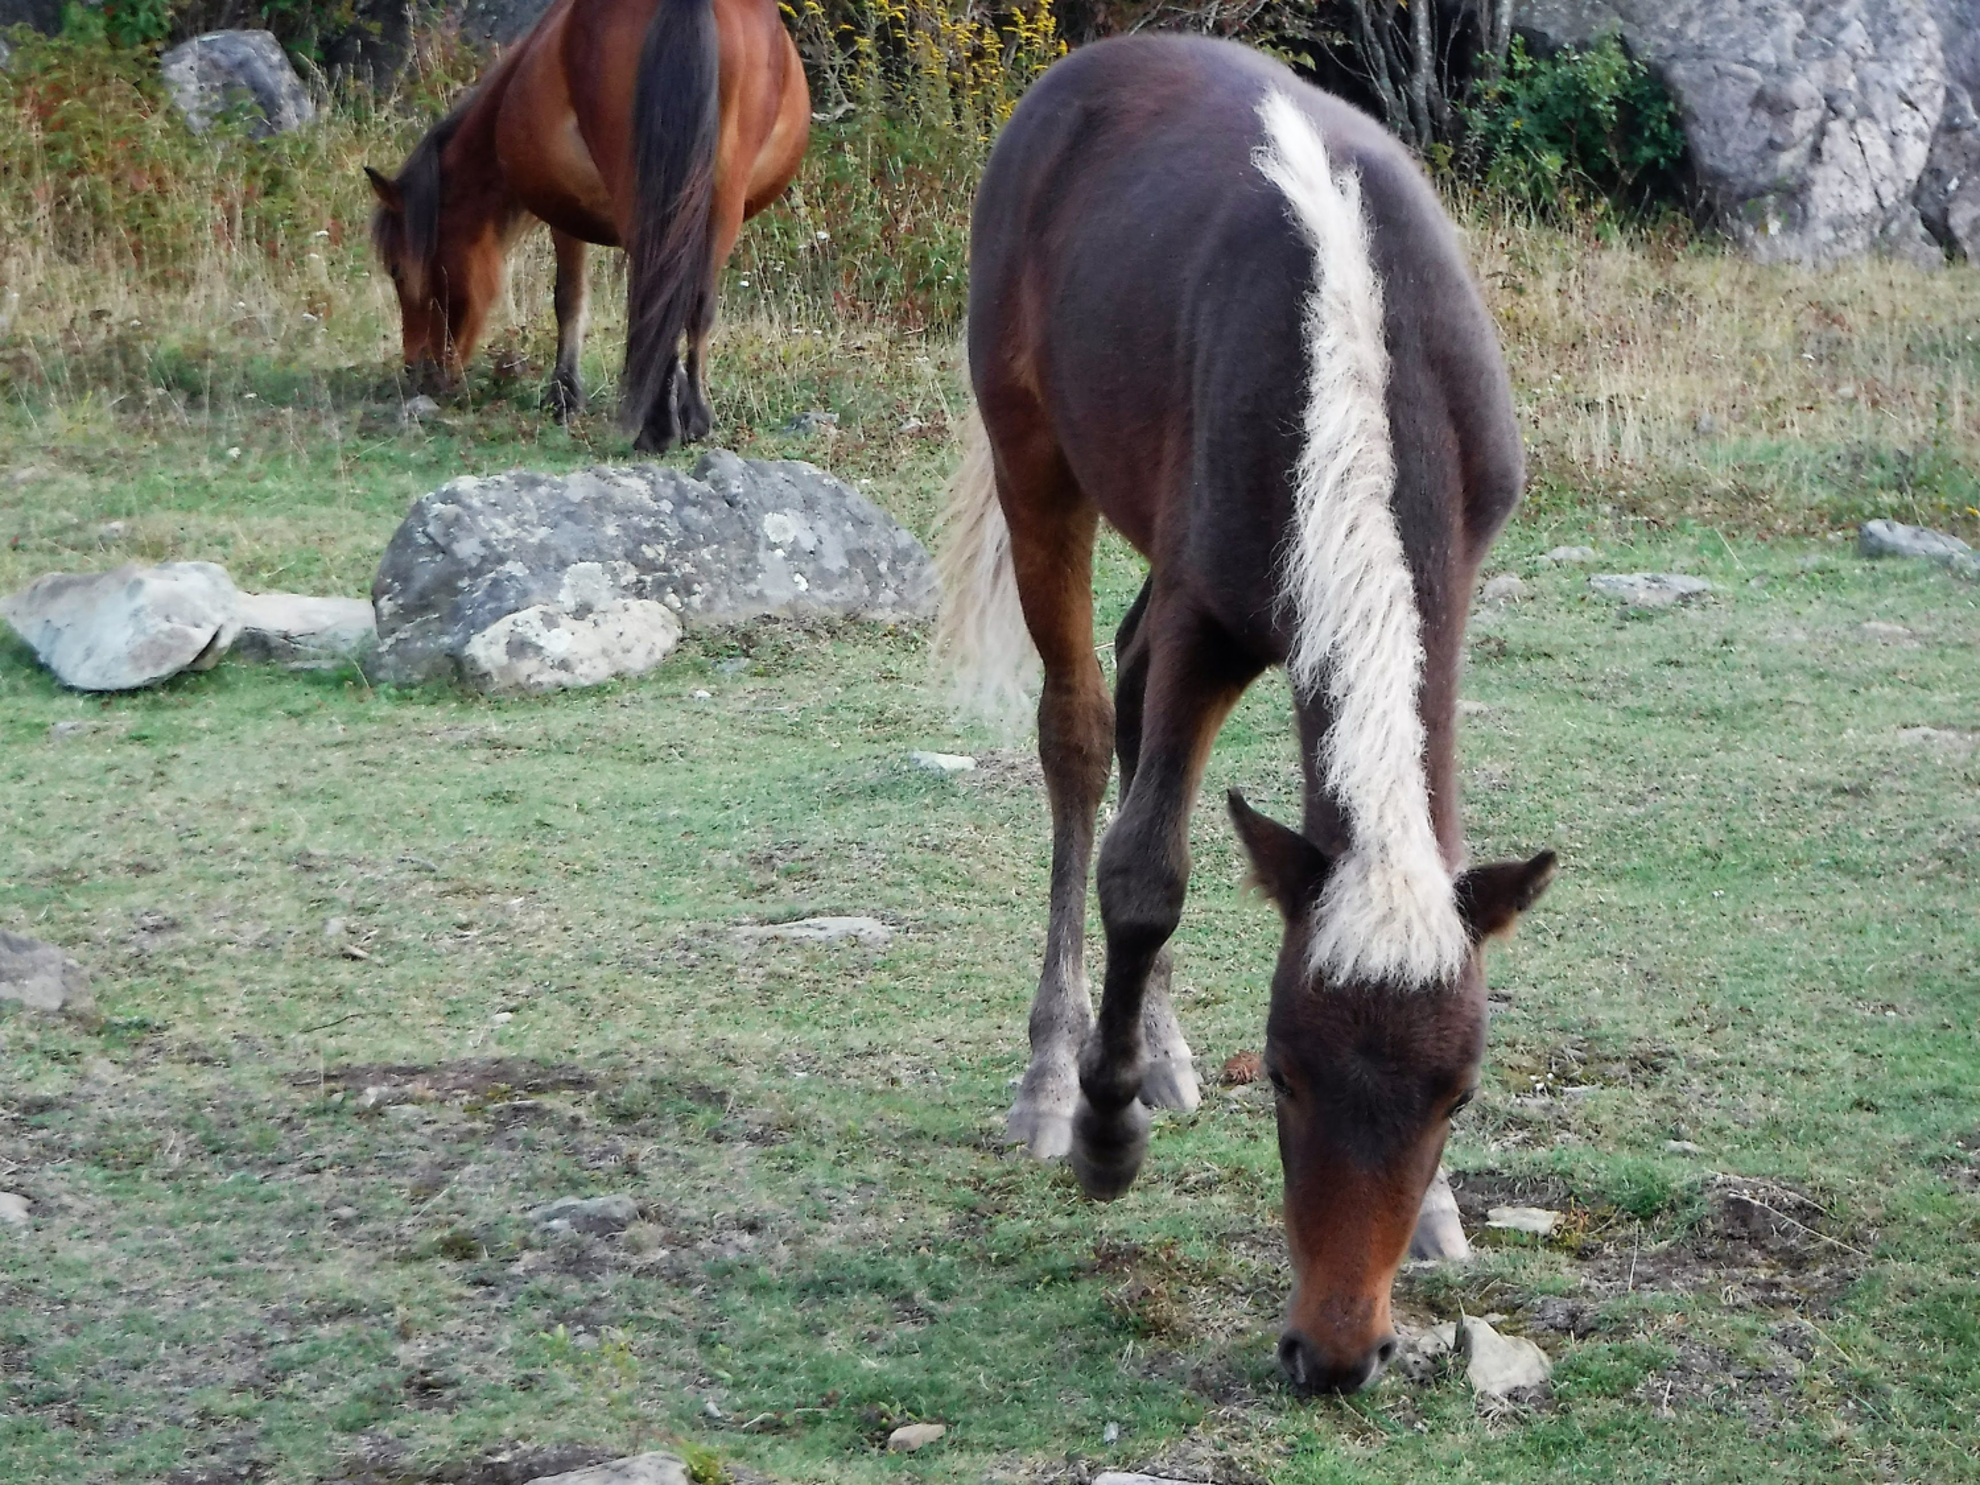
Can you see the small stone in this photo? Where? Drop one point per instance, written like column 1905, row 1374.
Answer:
column 1940, row 740
column 1473, row 708
column 418, row 408
column 42, row 978
column 1505, row 588
column 1111, row 1434
column 703, row 696
column 1241, row 1068
column 1704, row 425
column 868, row 931
column 1683, row 1147
column 635, row 1469
column 1125, row 1477
column 912, row 1436
column 1419, row 1357
column 110, row 532
column 1569, row 556
column 352, row 951
column 342, row 1214
column 13, row 1210
column 334, row 930
column 1649, row 589
column 600, row 1215
column 1884, row 629
column 1498, row 1365
column 1894, row 539
column 59, row 730
column 1538, row 1221
column 943, row 762
column 805, row 424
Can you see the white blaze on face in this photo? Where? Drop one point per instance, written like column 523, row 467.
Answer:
column 1388, row 912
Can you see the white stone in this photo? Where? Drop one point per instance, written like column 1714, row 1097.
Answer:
column 1536, row 1220
column 1568, row 556
column 636, row 1469
column 1496, row 1365
column 594, row 1214
column 1649, row 589
column 869, row 931
column 296, row 626
column 1940, row 740
column 943, row 762
column 1883, row 629
column 912, row 1436
column 131, row 627
column 42, row 978
column 13, row 1210
column 1466, row 708
column 546, row 648
column 1505, row 588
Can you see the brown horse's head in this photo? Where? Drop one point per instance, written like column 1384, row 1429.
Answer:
column 1367, row 1077
column 446, row 278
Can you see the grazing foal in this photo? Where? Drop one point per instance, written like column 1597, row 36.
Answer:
column 1224, row 311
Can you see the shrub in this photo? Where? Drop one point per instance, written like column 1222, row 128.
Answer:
column 1578, row 131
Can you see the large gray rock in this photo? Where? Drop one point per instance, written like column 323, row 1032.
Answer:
column 1819, row 129
column 117, row 631
column 42, row 978
column 1895, row 539
column 44, row 15
column 735, row 540
column 222, row 70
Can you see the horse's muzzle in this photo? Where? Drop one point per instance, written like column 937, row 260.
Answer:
column 1310, row 1371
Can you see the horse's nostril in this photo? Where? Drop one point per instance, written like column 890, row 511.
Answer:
column 1292, row 1358
column 1386, row 1352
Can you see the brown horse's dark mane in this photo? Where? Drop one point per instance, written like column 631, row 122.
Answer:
column 409, row 236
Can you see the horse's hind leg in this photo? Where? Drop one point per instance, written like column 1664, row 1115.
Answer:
column 1052, row 531
column 566, row 394
column 697, row 418
column 1194, row 677
column 1170, row 1082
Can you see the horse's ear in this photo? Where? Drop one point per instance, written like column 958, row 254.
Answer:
column 1491, row 898
column 386, row 191
column 1285, row 865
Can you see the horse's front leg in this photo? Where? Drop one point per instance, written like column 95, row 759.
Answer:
column 566, row 392
column 1195, row 676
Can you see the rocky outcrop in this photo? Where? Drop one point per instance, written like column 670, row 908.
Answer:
column 1819, row 129
column 224, row 70
column 482, row 569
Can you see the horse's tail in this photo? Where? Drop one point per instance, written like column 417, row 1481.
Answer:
column 670, row 261
column 981, row 637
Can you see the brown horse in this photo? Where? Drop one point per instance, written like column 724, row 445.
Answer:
column 1224, row 311
column 654, row 125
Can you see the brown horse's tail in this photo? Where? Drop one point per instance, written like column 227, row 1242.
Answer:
column 981, row 636
column 670, row 261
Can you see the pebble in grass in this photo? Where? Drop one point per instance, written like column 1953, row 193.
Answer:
column 943, row 762
column 1649, row 589
column 598, row 1215
column 13, row 1210
column 912, row 1436
column 868, row 931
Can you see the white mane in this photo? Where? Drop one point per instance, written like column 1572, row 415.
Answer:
column 1388, row 912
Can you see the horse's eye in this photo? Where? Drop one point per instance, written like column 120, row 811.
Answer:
column 1278, row 1082
column 1462, row 1099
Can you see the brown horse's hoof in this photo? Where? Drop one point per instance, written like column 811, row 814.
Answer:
column 564, row 398
column 1107, row 1149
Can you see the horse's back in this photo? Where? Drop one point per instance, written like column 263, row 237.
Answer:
column 1135, row 272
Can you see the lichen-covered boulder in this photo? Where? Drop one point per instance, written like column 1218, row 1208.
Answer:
column 581, row 553
column 1818, row 129
column 222, row 70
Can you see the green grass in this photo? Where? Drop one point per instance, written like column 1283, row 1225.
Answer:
column 1762, row 944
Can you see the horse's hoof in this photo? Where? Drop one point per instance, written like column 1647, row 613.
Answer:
column 1045, row 1133
column 565, row 400
column 696, row 424
column 651, row 441
column 1170, row 1084
column 1107, row 1149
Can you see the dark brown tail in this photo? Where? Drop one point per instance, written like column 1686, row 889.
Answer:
column 677, row 117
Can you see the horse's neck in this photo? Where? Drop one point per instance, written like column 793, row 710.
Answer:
column 475, row 195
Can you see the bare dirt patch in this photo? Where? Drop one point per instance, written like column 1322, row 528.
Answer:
column 470, row 1080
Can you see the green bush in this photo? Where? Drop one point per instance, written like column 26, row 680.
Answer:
column 1576, row 132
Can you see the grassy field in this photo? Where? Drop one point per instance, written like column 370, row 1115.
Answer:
column 384, row 971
